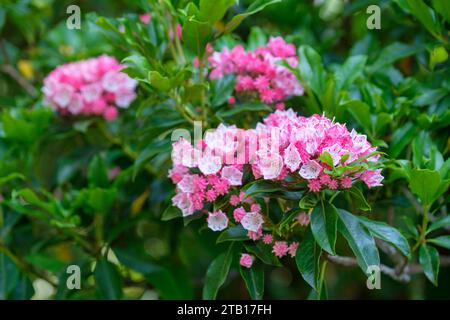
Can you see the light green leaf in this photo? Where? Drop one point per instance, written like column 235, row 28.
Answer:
column 97, row 173
column 312, row 70
column 442, row 241
column 214, row 11
column 439, row 223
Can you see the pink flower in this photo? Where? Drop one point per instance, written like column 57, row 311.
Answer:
column 252, row 221
column 111, row 113
column 280, row 106
column 346, row 182
column 267, row 239
column 234, row 200
column 238, row 214
column 231, row 100
column 246, row 260
column 293, row 249
column 314, row 185
column 210, row 195
column 217, row 221
column 255, row 208
column 310, row 170
column 303, row 219
column 280, row 248
column 145, row 18
column 333, row 184
column 89, row 87
column 233, row 175
column 372, row 178
column 255, row 235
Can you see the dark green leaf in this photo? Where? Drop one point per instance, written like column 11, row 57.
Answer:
column 254, row 280
column 323, row 226
column 359, row 239
column 442, row 241
column 307, row 259
column 217, row 274
column 108, row 280
column 237, row 233
column 429, row 259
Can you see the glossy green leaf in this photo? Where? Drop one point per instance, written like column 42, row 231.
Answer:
column 359, row 239
column 439, row 223
column 307, row 259
column 442, row 241
column 254, row 279
column 237, row 233
column 324, row 226
column 217, row 273
column 263, row 252
column 97, row 173
column 387, row 233
column 429, row 259
column 254, row 7
column 9, row 276
column 108, row 280
column 312, row 70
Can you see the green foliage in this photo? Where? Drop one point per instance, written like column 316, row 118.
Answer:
column 96, row 194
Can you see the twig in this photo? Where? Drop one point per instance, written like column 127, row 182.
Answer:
column 409, row 269
column 13, row 73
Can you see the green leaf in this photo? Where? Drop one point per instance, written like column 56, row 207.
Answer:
column 352, row 68
column 442, row 7
column 213, row 11
column 442, row 241
column 254, row 280
column 359, row 239
column 307, row 259
column 323, row 226
column 237, row 233
column 260, row 187
column 357, row 196
column 429, row 259
column 217, row 274
column 263, row 252
column 427, row 185
column 257, row 38
column 158, row 81
column 392, row 53
column 425, row 15
column 162, row 278
column 9, row 276
column 222, row 89
column 401, row 138
column 23, row 290
column 108, row 280
column 10, row 177
column 312, row 70
column 149, row 152
column 439, row 223
column 196, row 33
column 309, row 201
column 361, row 112
column 255, row 7
column 243, row 108
column 97, row 173
column 387, row 233
column 170, row 213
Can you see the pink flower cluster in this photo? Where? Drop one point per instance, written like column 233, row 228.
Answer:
column 90, row 87
column 314, row 152
column 259, row 73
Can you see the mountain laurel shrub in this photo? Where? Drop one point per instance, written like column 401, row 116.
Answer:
column 222, row 149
